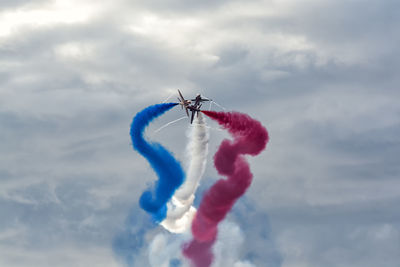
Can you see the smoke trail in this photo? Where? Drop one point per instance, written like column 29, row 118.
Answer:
column 250, row 137
column 180, row 210
column 163, row 250
column 167, row 168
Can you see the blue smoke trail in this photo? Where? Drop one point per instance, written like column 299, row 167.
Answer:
column 167, row 168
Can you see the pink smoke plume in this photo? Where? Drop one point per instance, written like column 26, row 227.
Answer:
column 250, row 137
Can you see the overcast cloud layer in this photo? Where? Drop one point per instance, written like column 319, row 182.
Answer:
column 322, row 76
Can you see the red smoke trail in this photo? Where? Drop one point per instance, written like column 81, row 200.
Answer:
column 250, row 137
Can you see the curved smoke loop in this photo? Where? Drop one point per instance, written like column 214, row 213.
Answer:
column 180, row 210
column 250, row 137
column 167, row 168
column 172, row 207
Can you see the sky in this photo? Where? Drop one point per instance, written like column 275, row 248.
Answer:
column 320, row 75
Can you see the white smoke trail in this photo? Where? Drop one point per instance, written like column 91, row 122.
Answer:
column 165, row 248
column 168, row 124
column 180, row 210
column 218, row 105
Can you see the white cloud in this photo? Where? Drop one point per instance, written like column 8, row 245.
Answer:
column 61, row 256
column 164, row 248
column 64, row 12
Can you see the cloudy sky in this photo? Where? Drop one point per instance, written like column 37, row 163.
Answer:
column 320, row 75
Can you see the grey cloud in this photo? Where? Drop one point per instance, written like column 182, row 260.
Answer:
column 259, row 246
column 348, row 20
column 174, row 6
column 7, row 4
column 231, row 56
column 322, row 236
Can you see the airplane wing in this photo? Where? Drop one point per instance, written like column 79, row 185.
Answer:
column 201, row 100
column 199, row 109
column 179, row 103
column 180, row 94
column 191, row 119
column 187, row 112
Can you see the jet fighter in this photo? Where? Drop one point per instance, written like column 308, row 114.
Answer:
column 198, row 100
column 195, row 107
column 184, row 102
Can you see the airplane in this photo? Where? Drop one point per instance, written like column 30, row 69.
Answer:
column 195, row 107
column 184, row 102
column 199, row 100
